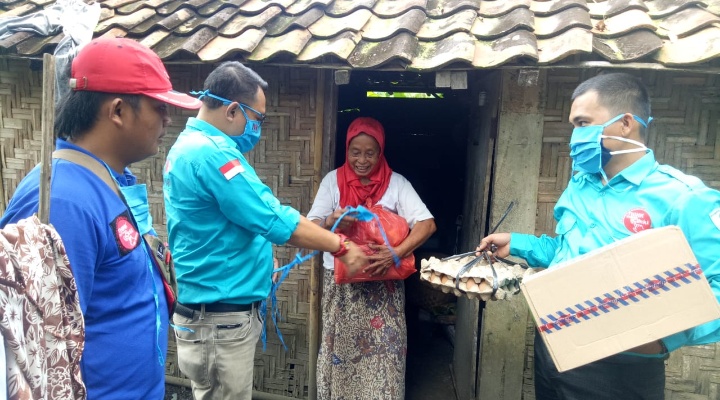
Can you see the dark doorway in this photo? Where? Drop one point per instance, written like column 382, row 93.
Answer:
column 426, row 131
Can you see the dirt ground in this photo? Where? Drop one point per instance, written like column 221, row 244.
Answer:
column 428, row 375
column 173, row 392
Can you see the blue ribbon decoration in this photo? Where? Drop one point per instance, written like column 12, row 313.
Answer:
column 359, row 212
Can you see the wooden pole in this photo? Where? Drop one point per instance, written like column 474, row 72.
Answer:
column 316, row 269
column 518, row 148
column 48, row 121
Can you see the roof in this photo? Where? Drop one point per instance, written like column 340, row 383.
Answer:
column 420, row 35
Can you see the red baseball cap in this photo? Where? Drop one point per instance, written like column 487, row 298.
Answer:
column 124, row 66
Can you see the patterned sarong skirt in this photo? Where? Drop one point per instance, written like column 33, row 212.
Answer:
column 364, row 341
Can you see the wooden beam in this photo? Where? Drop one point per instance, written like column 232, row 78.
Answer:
column 321, row 76
column 323, row 162
column 458, row 80
column 329, row 126
column 451, row 79
column 517, row 167
column 48, row 142
column 443, row 79
column 701, row 69
column 342, row 77
column 465, row 349
column 314, row 325
column 479, row 161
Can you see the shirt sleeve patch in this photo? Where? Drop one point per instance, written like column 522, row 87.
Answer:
column 232, row 168
column 126, row 236
column 715, row 217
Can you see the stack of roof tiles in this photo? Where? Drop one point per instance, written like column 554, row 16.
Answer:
column 413, row 34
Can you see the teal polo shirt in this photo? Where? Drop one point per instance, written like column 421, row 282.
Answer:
column 221, row 219
column 644, row 195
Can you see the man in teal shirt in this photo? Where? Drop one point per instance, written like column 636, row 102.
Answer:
column 222, row 221
column 619, row 189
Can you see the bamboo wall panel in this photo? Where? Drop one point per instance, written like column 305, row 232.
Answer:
column 20, row 123
column 685, row 133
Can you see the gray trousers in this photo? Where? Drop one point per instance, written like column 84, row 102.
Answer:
column 216, row 351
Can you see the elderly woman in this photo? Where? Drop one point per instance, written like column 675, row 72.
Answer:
column 364, row 343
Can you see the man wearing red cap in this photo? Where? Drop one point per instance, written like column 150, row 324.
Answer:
column 115, row 115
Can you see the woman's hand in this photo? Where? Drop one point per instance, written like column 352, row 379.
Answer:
column 380, row 261
column 344, row 224
column 355, row 259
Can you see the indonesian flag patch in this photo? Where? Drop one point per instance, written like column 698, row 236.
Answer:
column 231, row 169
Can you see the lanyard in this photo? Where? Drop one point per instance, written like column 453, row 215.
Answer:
column 148, row 258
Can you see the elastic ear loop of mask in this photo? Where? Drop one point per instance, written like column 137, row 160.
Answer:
column 641, row 146
column 225, row 102
column 602, row 170
column 206, row 93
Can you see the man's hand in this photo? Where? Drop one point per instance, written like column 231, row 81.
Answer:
column 501, row 242
column 344, row 224
column 649, row 348
column 355, row 259
column 380, row 261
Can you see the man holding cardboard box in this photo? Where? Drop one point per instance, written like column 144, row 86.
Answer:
column 619, row 190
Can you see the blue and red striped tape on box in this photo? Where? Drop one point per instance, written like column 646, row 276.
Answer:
column 621, row 298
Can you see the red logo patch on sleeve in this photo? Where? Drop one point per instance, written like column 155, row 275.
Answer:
column 637, row 220
column 126, row 236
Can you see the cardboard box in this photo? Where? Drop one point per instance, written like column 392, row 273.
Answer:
column 637, row 290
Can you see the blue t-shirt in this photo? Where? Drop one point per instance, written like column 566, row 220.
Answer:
column 114, row 282
column 221, row 219
column 644, row 195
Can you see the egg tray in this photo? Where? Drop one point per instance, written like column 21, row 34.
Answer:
column 475, row 282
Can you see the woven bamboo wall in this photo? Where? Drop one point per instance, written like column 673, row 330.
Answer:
column 685, row 134
column 283, row 159
column 20, row 123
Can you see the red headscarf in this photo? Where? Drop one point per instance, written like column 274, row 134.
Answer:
column 352, row 192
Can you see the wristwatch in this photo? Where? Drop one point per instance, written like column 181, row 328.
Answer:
column 344, row 246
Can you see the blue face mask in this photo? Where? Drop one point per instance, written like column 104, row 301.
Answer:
column 586, row 149
column 251, row 135
column 137, row 200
